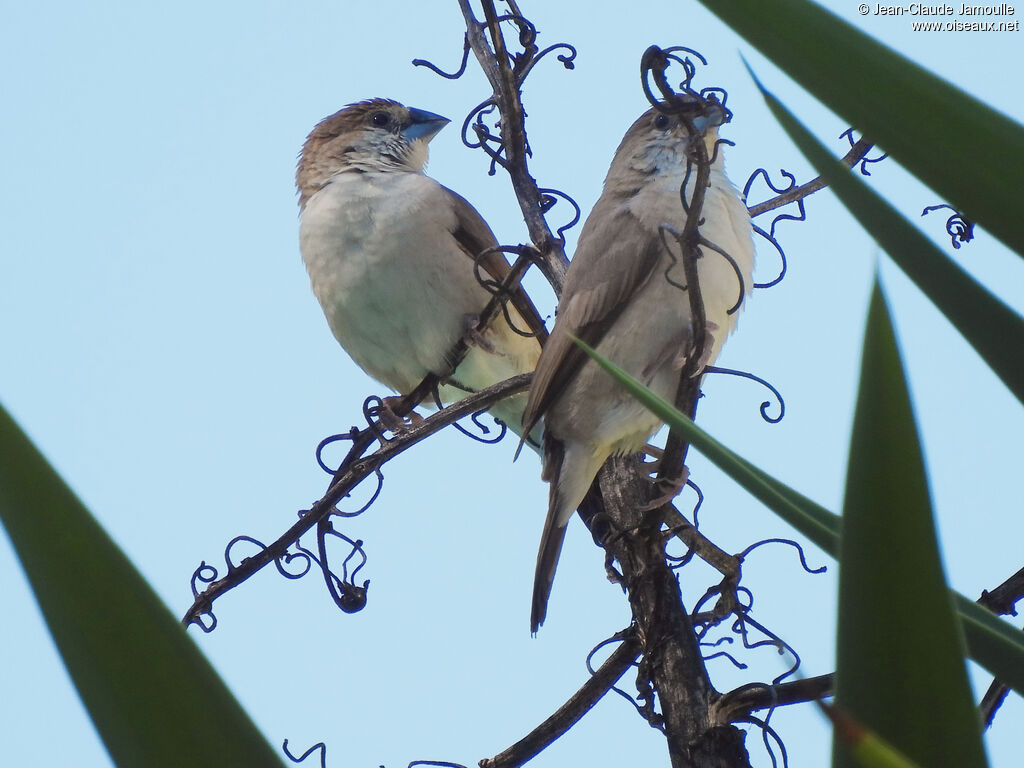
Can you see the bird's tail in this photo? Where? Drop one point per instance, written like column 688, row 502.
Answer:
column 570, row 473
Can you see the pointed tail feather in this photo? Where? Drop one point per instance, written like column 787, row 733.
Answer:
column 544, row 577
column 570, row 471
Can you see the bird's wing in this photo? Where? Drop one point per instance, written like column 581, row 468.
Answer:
column 474, row 237
column 615, row 257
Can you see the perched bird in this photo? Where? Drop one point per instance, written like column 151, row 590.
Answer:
column 624, row 296
column 390, row 254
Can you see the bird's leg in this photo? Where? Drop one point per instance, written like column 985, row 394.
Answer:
column 473, row 337
column 667, row 488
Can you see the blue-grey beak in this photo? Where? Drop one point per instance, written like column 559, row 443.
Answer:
column 713, row 116
column 701, row 123
column 425, row 125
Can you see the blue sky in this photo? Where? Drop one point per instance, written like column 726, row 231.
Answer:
column 162, row 346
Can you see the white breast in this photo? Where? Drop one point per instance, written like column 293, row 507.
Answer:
column 388, row 273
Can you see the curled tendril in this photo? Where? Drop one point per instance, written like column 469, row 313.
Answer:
column 522, row 63
column 204, row 574
column 549, row 197
column 714, row 152
column 959, row 228
column 437, row 70
column 616, row 638
column 373, row 407
column 688, row 66
column 801, row 210
column 766, row 731
column 200, row 620
column 766, row 404
column 208, row 574
column 863, row 164
column 709, row 594
column 379, row 477
column 721, row 96
column 761, row 173
column 740, row 627
column 280, row 562
column 769, row 235
column 697, row 506
column 726, row 655
column 682, row 187
column 782, row 254
column 474, row 118
column 436, row 763
column 484, row 430
column 736, row 270
column 329, row 441
column 347, row 595
column 527, row 33
column 663, row 230
column 300, row 556
column 568, row 60
column 484, row 137
column 718, row 642
column 495, row 287
column 318, row 747
column 800, row 552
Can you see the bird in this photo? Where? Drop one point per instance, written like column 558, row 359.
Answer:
column 624, row 296
column 391, row 257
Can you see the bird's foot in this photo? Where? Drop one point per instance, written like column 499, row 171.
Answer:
column 709, row 344
column 666, row 489
column 391, row 421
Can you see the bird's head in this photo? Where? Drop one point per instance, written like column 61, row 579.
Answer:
column 658, row 142
column 376, row 135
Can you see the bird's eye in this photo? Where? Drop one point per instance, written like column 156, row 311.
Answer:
column 661, row 122
column 381, row 119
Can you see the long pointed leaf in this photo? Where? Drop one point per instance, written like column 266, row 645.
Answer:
column 900, row 661
column 994, row 330
column 153, row 697
column 969, row 153
column 990, row 641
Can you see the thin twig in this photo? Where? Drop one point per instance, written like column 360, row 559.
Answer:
column 738, row 703
column 567, row 715
column 857, row 153
column 354, row 469
column 1002, row 601
column 496, row 67
column 348, row 478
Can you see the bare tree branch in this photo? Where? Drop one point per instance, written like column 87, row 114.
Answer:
column 1002, row 601
column 347, row 478
column 354, row 470
column 495, row 65
column 857, row 153
column 737, row 704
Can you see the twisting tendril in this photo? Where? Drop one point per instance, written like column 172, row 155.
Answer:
column 959, row 228
column 863, row 165
column 318, row 747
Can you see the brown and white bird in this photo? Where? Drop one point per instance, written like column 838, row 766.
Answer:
column 390, row 253
column 618, row 297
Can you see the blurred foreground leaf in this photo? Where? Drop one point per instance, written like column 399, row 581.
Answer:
column 900, row 668
column 990, row 641
column 994, row 330
column 972, row 155
column 153, row 697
